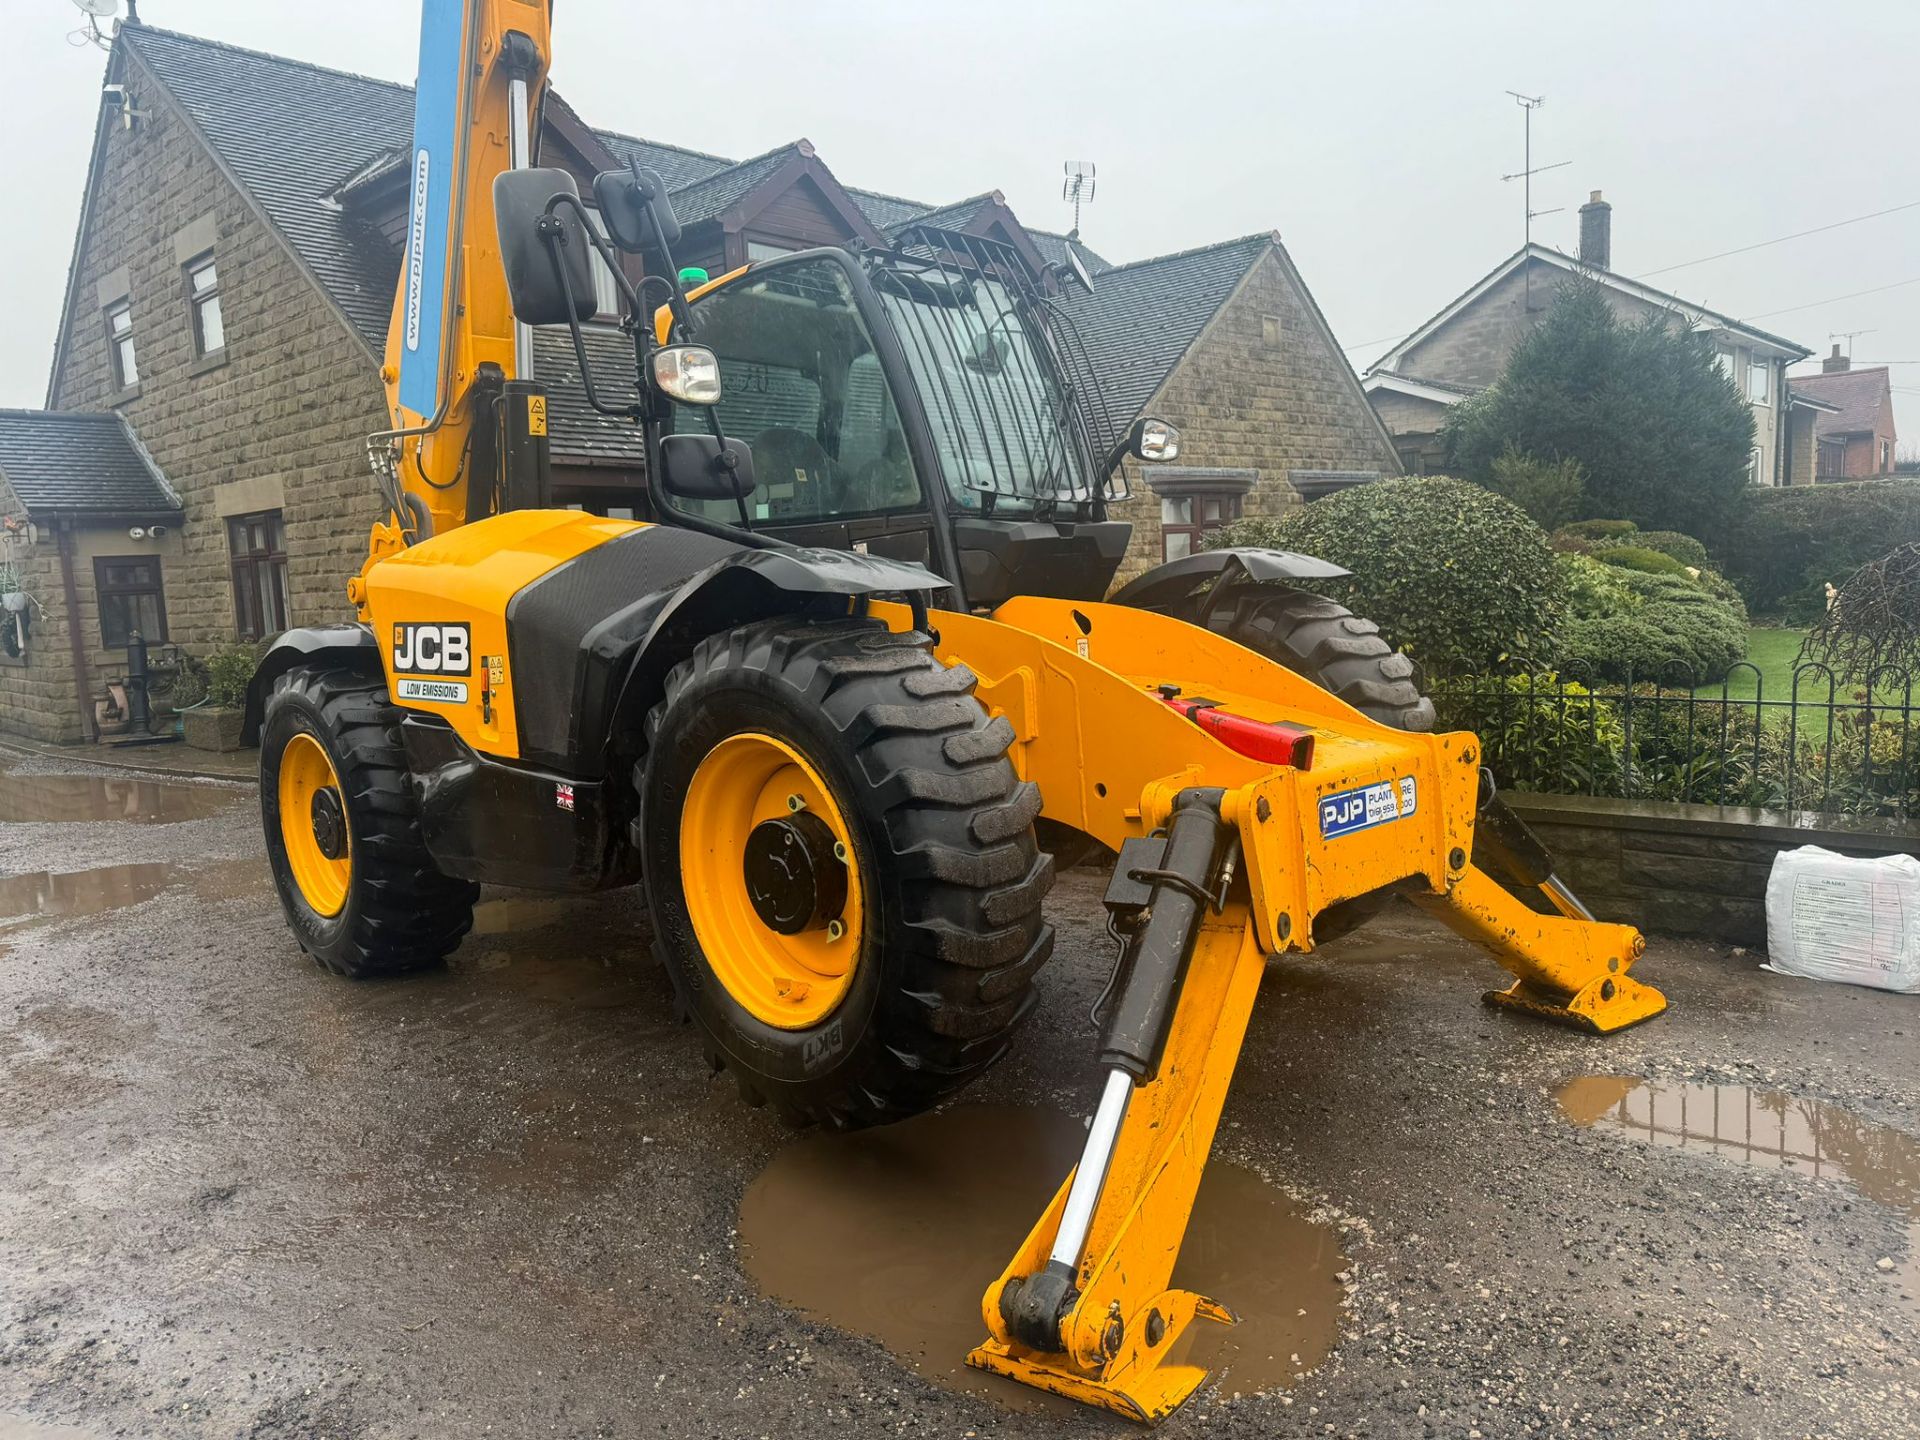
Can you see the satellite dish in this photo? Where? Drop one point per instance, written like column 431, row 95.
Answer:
column 99, row 9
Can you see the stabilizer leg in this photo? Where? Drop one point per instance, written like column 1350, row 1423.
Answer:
column 1120, row 1318
column 1567, row 969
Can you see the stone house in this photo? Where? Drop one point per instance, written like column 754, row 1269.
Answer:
column 1855, row 435
column 1463, row 348
column 226, row 314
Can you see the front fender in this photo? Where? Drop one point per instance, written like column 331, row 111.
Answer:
column 341, row 647
column 1171, row 588
column 748, row 586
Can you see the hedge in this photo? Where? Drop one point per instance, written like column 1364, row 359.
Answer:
column 1786, row 546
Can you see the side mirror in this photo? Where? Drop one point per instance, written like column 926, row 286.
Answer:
column 531, row 241
column 635, row 209
column 695, row 467
column 1152, row 439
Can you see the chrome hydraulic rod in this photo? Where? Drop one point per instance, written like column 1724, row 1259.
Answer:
column 1090, row 1176
column 520, row 156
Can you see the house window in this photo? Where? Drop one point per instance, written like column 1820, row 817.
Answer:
column 126, row 369
column 1724, row 359
column 1185, row 519
column 766, row 250
column 1759, row 373
column 258, row 546
column 1272, row 330
column 203, row 295
column 1753, row 466
column 1831, row 463
column 130, row 599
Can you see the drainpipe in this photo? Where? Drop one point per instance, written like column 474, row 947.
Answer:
column 82, row 681
column 1782, row 430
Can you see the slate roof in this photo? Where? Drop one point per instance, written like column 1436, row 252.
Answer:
column 1142, row 318
column 712, row 197
column 581, row 434
column 1860, row 396
column 80, row 462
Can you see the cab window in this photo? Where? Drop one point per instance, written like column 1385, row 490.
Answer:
column 801, row 385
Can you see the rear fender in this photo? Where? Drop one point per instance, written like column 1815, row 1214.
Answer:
column 1183, row 587
column 753, row 585
column 331, row 647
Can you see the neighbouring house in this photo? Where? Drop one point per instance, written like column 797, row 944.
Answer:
column 87, row 521
column 1464, row 347
column 1854, row 435
column 233, row 274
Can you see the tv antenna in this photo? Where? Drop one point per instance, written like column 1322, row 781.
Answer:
column 1848, row 336
column 1077, row 189
column 1528, row 104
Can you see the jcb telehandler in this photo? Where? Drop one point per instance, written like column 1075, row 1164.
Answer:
column 821, row 704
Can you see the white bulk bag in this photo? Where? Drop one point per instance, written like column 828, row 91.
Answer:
column 1834, row 917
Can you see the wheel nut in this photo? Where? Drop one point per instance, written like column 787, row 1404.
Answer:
column 840, row 851
column 796, row 804
column 835, row 929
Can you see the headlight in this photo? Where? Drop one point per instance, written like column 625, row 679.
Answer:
column 1158, row 441
column 687, row 373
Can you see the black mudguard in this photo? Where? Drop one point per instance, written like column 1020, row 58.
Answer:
column 341, row 647
column 628, row 654
column 1177, row 587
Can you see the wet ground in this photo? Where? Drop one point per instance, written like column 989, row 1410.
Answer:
column 241, row 1198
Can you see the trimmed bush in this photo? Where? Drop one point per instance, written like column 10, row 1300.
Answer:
column 1453, row 574
column 1639, row 557
column 1684, row 548
column 1596, row 591
column 1786, row 546
column 1591, row 530
column 1680, row 631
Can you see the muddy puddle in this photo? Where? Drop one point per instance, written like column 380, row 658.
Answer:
column 46, row 895
column 894, row 1233
column 36, row 798
column 1763, row 1130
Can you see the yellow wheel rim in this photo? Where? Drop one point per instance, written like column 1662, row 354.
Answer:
column 751, row 796
column 313, row 825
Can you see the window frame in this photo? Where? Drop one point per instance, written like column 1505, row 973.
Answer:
column 1753, row 466
column 199, row 300
column 244, row 569
column 1764, row 369
column 102, row 590
column 121, row 361
column 1232, row 508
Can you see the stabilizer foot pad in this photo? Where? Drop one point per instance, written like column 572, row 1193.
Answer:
column 1601, row 1008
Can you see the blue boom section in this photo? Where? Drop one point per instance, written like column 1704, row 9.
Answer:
column 436, row 122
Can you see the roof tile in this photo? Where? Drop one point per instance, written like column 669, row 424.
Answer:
column 65, row 460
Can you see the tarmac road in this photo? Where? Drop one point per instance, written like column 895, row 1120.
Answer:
column 241, row 1198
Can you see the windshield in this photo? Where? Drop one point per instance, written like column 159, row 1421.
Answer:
column 1000, row 418
column 803, row 387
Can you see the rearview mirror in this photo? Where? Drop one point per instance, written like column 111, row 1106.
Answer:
column 635, row 209
column 1152, row 439
column 695, row 467
column 531, row 240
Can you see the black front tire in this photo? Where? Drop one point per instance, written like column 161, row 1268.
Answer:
column 942, row 829
column 401, row 913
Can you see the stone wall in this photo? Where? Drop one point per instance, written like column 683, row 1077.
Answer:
column 280, row 422
column 1251, row 394
column 1694, row 870
column 36, row 688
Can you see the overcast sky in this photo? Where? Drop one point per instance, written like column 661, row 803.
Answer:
column 1371, row 135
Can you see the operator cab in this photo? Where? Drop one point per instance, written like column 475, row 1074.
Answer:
column 929, row 403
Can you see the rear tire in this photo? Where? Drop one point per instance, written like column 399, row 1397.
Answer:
column 387, row 910
column 1323, row 641
column 942, row 895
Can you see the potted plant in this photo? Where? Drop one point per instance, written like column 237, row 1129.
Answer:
column 214, row 724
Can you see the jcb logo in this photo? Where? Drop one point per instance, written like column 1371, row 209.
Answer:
column 432, row 649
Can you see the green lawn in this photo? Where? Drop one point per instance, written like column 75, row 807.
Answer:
column 1772, row 651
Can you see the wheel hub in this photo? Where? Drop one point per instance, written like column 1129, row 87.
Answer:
column 329, row 823
column 795, row 879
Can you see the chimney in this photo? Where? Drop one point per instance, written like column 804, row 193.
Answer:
column 1596, row 233
column 1835, row 363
